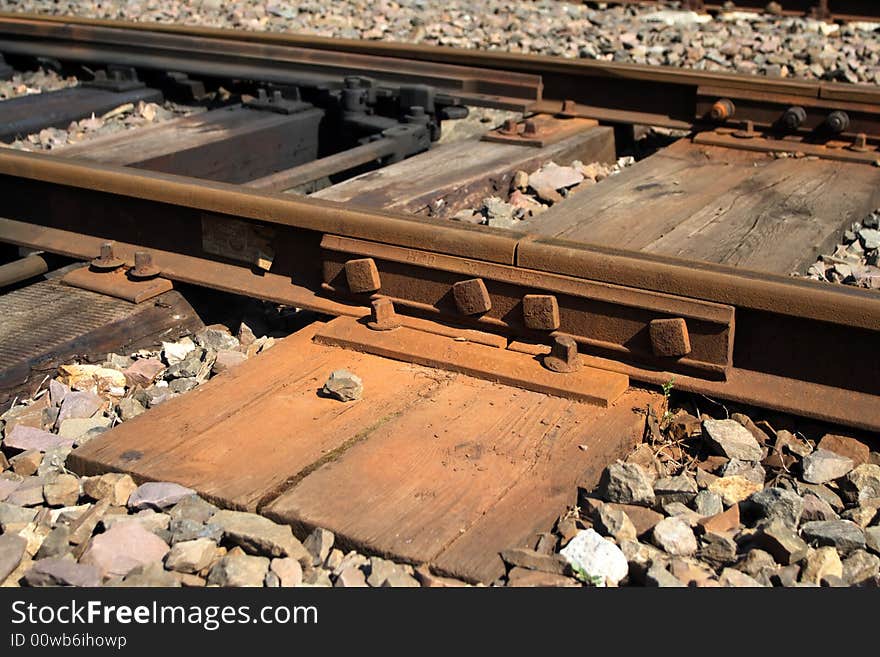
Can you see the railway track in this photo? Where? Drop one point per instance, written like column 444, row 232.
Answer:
column 842, row 10
column 665, row 273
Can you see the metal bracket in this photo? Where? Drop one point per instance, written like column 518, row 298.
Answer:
column 117, row 284
column 539, row 130
column 859, row 150
column 116, row 78
column 651, row 329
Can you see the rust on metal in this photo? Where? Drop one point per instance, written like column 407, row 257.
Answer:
column 471, row 296
column 117, row 284
column 107, row 260
column 362, row 276
column 540, row 312
column 144, row 267
column 669, row 337
column 587, row 384
column 563, row 357
column 764, row 143
column 539, row 130
column 383, row 317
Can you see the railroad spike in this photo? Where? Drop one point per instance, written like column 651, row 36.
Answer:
column 143, row 266
column 563, row 356
column 383, row 317
column 107, row 260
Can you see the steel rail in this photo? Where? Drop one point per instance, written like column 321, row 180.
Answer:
column 610, row 91
column 757, row 338
column 842, row 10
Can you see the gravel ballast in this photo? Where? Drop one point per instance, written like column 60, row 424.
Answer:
column 762, row 44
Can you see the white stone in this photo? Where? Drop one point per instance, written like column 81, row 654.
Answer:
column 596, row 557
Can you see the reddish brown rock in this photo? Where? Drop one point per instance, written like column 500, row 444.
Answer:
column 854, row 449
column 722, row 522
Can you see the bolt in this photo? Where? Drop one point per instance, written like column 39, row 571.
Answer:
column 276, row 96
column 261, row 94
column 107, row 261
column 563, row 356
column 860, row 145
column 362, row 275
column 143, row 266
column 529, row 128
column 568, row 108
column 382, row 315
column 747, row 131
column 837, row 121
column 793, row 118
column 722, row 110
column 509, row 127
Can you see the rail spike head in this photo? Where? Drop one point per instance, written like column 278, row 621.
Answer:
column 383, row 317
column 563, row 356
column 107, row 260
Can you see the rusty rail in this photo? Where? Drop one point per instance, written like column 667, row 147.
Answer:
column 760, row 339
column 608, row 91
column 843, row 10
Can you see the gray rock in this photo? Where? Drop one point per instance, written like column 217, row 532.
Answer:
column 122, row 548
column 115, row 486
column 729, row 438
column 29, row 438
column 614, row 522
column 54, row 461
column 388, row 573
column 317, row 577
column 772, row 503
column 815, row 508
column 129, row 408
column 62, row 572
column 56, row 544
column 554, row 176
column 675, row 537
column 841, row 534
column 824, row 465
column 7, row 486
column 150, row 575
column 351, row 577
column 12, row 551
column 319, row 543
column 872, row 538
column 258, row 535
column 595, row 558
column 28, row 493
column 860, row 567
column 626, row 483
column 782, row 542
column 79, row 404
column 675, row 489
column 189, row 367
column 158, row 495
column 191, row 556
column 81, row 430
column 216, row 339
column 756, row 561
column 61, row 490
column 547, row 563
column 731, row 577
column 707, row 503
column 240, row 570
column 745, row 469
column 865, row 481
column 179, row 386
column 344, row 386
column 193, row 508
column 823, row 493
column 57, row 392
column 717, row 549
column 288, row 571
column 190, row 530
column 659, row 576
